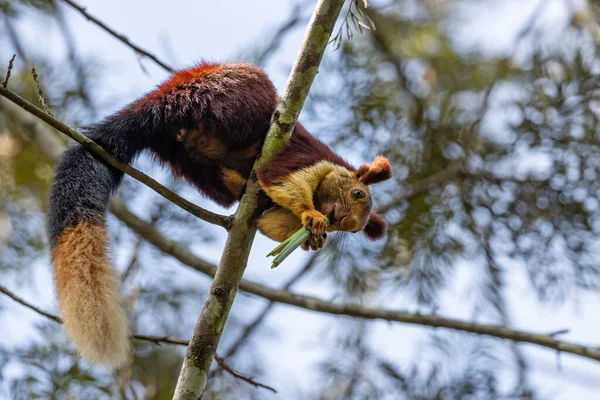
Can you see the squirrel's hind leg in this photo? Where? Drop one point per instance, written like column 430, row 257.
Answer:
column 278, row 223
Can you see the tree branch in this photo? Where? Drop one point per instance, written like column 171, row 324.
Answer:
column 29, row 305
column 207, row 333
column 221, row 362
column 89, row 144
column 118, row 35
column 147, row 338
column 41, row 96
column 354, row 310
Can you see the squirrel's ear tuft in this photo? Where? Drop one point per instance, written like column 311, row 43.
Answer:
column 376, row 227
column 379, row 170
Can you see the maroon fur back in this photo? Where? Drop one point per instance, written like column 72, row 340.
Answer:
column 209, row 123
column 226, row 106
column 301, row 151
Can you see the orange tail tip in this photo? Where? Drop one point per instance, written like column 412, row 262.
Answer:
column 87, row 289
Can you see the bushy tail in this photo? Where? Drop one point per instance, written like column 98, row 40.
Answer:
column 87, row 286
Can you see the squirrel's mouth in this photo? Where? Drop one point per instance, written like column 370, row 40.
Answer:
column 331, row 215
column 339, row 219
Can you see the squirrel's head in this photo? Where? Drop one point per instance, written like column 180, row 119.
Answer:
column 345, row 197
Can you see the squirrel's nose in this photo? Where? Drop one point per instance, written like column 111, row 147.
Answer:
column 348, row 223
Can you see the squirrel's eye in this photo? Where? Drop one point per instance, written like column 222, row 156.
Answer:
column 358, row 194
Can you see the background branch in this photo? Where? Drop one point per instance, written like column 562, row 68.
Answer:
column 29, row 305
column 122, row 38
column 147, row 338
column 440, row 177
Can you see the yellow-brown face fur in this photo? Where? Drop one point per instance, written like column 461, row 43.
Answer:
column 345, row 201
column 325, row 191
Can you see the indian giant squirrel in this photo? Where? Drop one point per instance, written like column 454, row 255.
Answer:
column 207, row 123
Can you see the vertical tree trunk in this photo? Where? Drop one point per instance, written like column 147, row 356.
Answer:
column 207, row 333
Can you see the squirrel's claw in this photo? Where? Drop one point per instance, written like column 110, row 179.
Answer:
column 314, row 220
column 314, row 242
column 317, row 223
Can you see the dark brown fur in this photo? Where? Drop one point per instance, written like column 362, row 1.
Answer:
column 301, row 151
column 199, row 103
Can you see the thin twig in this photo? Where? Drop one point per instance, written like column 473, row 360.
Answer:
column 147, row 338
column 381, row 42
column 279, row 35
column 199, row 212
column 559, row 332
column 8, row 70
column 40, row 92
column 528, row 26
column 118, row 35
column 133, row 262
column 502, row 70
column 158, row 340
column 452, row 171
column 77, row 65
column 221, row 362
column 29, row 305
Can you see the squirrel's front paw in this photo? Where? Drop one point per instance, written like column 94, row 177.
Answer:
column 316, row 221
column 314, row 242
